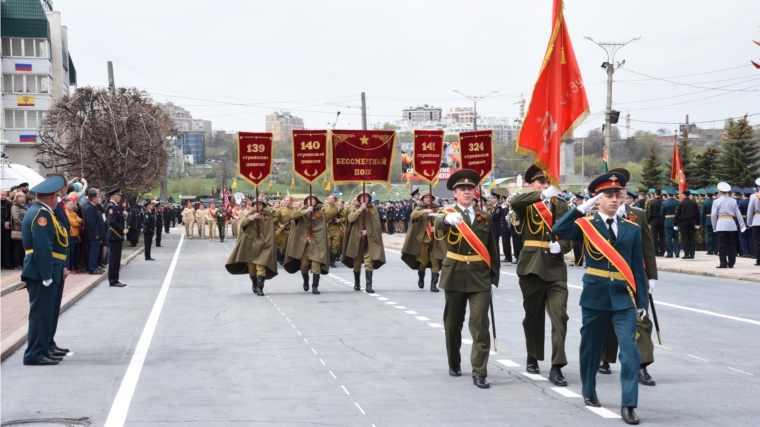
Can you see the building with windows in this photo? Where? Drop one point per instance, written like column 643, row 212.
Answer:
column 37, row 70
column 183, row 120
column 194, row 143
column 282, row 125
column 460, row 115
column 422, row 113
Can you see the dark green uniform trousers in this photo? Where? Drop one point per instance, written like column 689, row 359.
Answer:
column 593, row 332
column 41, row 310
column 644, row 343
column 453, row 320
column 539, row 297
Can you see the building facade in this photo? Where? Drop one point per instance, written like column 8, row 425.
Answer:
column 183, row 120
column 282, row 124
column 194, row 143
column 421, row 114
column 460, row 115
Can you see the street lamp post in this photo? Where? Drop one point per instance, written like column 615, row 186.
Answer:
column 611, row 48
column 475, row 99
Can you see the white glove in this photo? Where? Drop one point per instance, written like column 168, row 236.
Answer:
column 549, row 192
column 588, row 204
column 675, row 227
column 621, row 211
column 493, row 289
column 696, row 227
column 652, row 282
column 453, row 218
column 744, row 229
column 554, row 247
column 642, row 312
column 47, row 282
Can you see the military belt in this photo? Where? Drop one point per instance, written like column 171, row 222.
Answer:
column 536, row 243
column 612, row 275
column 726, row 216
column 670, row 216
column 744, row 216
column 708, row 214
column 464, row 258
column 56, row 255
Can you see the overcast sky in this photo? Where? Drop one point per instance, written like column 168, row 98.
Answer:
column 233, row 62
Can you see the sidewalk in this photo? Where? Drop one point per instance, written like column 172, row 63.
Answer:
column 14, row 304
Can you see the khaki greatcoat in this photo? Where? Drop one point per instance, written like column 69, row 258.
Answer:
column 415, row 237
column 252, row 249
column 352, row 239
column 318, row 249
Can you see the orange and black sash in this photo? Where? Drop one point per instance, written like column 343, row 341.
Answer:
column 545, row 213
column 603, row 246
column 471, row 238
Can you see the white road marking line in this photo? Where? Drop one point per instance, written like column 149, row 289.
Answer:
column 374, row 295
column 466, row 341
column 382, row 299
column 305, row 340
column 662, row 346
column 400, row 307
column 390, row 302
column 297, row 331
column 344, row 389
column 576, row 320
column 534, row 377
column 391, row 250
column 575, row 286
column 294, row 326
column 508, row 299
column 71, row 353
column 360, row 408
column 565, row 392
column 508, row 363
column 423, row 318
column 435, row 325
column 120, row 408
column 333, row 375
column 323, row 362
column 709, row 313
column 705, row 360
column 315, row 351
column 603, row 412
column 411, row 312
column 287, row 319
column 509, row 274
column 747, row 373
column 281, row 312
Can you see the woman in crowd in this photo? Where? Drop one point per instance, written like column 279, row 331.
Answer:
column 18, row 210
column 72, row 264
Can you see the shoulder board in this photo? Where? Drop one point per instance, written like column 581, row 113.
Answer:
column 629, row 221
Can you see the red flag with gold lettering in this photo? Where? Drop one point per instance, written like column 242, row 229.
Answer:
column 676, row 171
column 255, row 151
column 362, row 155
column 477, row 152
column 309, row 154
column 428, row 154
column 558, row 104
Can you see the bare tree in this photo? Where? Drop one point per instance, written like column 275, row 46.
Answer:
column 110, row 139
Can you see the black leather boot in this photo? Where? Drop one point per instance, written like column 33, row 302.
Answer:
column 434, row 282
column 305, row 281
column 604, row 368
column 260, row 290
column 255, row 284
column 368, row 276
column 357, row 280
column 421, row 281
column 315, row 285
column 333, row 258
column 531, row 366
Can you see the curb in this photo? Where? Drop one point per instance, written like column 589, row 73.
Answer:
column 709, row 274
column 17, row 338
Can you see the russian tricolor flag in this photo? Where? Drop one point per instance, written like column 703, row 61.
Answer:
column 24, row 67
column 27, row 138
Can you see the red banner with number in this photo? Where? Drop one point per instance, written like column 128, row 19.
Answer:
column 428, row 154
column 362, row 155
column 477, row 152
column 255, row 152
column 309, row 154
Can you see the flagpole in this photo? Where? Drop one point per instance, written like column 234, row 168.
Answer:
column 311, row 218
column 257, row 222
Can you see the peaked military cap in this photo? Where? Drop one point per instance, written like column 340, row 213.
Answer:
column 757, row 181
column 631, row 194
column 687, row 192
column 747, row 191
column 416, row 191
column 624, row 171
column 534, row 172
column 115, row 190
column 724, row 187
column 736, row 190
column 463, row 177
column 609, row 180
column 51, row 185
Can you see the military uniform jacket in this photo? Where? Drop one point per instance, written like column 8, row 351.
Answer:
column 601, row 293
column 650, row 259
column 668, row 212
column 353, row 244
column 331, row 214
column 534, row 259
column 149, row 222
column 319, row 249
column 188, row 215
column 723, row 206
column 743, row 204
column 753, row 211
column 417, row 235
column 159, row 218
column 654, row 210
column 687, row 210
column 221, row 216
column 250, row 248
column 46, row 243
column 114, row 222
column 461, row 276
column 705, row 214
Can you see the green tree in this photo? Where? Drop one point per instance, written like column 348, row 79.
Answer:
column 740, row 158
column 651, row 175
column 703, row 173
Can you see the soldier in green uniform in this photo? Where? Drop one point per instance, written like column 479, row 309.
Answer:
column 46, row 243
column 363, row 241
column 470, row 273
column 282, row 218
column 220, row 215
column 307, row 244
column 668, row 213
column 255, row 252
column 420, row 250
column 334, row 220
column 542, row 272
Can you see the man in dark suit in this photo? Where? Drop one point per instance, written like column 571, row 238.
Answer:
column 687, row 218
column 149, row 228
column 498, row 214
column 95, row 228
column 115, row 236
column 159, row 223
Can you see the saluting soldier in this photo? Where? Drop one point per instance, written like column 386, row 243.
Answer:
column 469, row 274
column 724, row 219
column 668, row 212
column 420, row 250
column 333, row 219
column 255, row 252
column 115, row 236
column 705, row 214
column 307, row 244
column 363, row 241
column 282, row 218
column 149, row 228
column 614, row 287
column 542, row 272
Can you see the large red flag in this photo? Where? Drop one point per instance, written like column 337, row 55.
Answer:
column 559, row 103
column 676, row 171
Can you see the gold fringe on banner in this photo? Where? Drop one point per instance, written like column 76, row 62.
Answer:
column 293, row 184
column 435, row 183
column 408, row 183
column 270, row 187
column 388, row 187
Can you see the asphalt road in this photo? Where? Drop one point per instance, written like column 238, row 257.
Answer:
column 188, row 344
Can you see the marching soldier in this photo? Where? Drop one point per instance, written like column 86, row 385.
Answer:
column 705, row 215
column 363, row 241
column 723, row 217
column 542, row 272
column 282, row 221
column 220, row 216
column 307, row 244
column 188, row 217
column 333, row 219
column 149, row 228
column 668, row 212
column 211, row 218
column 235, row 224
column 115, row 236
column 200, row 219
column 420, row 249
column 470, row 273
column 614, row 287
column 255, row 252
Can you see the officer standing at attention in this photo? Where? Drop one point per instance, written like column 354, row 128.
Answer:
column 753, row 220
column 46, row 243
column 656, row 222
column 114, row 235
column 470, row 273
column 159, row 211
column 614, row 287
column 542, row 272
column 149, row 228
column 687, row 215
column 705, row 216
column 724, row 215
column 668, row 212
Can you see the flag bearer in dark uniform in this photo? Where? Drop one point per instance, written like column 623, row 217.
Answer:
column 115, row 235
column 753, row 220
column 614, row 287
column 255, row 252
column 363, row 241
column 469, row 274
column 149, row 228
column 420, row 250
column 159, row 210
column 657, row 223
column 308, row 248
column 705, row 216
column 687, row 216
column 724, row 214
column 46, row 243
column 542, row 272
column 668, row 212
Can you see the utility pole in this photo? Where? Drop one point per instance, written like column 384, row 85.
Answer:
column 611, row 48
column 475, row 99
column 111, row 84
column 364, row 112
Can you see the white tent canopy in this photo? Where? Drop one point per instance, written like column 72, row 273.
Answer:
column 15, row 174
